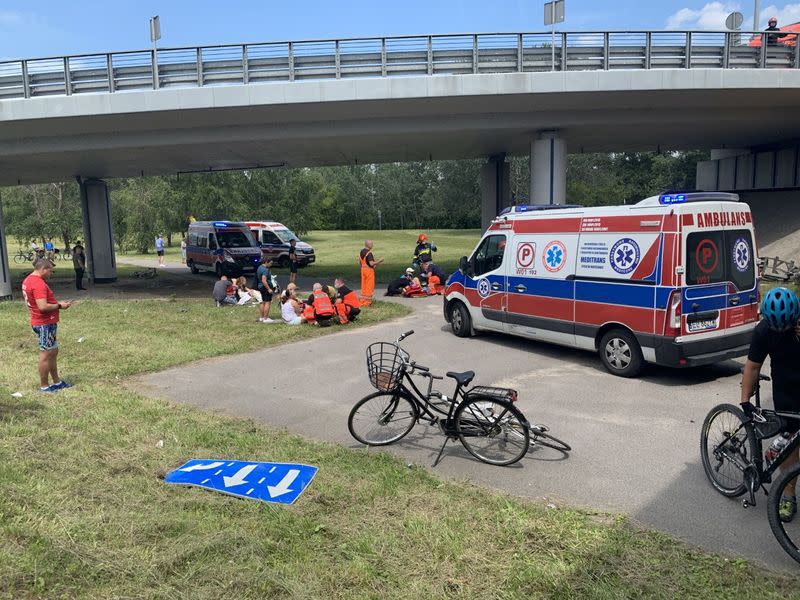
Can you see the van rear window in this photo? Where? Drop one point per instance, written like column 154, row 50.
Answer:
column 720, row 256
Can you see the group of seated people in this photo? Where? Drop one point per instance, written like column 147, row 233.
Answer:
column 324, row 306
column 234, row 291
column 429, row 282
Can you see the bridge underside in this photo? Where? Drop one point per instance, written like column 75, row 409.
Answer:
column 334, row 123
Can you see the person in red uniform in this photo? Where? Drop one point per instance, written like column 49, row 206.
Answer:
column 44, row 312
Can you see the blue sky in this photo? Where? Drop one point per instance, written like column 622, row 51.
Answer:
column 54, row 27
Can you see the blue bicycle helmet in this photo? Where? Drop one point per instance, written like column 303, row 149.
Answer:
column 780, row 308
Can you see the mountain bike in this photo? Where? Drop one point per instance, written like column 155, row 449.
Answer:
column 23, row 256
column 732, row 453
column 485, row 419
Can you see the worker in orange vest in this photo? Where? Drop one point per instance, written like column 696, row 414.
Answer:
column 347, row 305
column 319, row 308
column 368, row 264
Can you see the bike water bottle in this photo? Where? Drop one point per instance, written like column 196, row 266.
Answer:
column 778, row 444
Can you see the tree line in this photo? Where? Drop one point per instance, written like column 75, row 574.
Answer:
column 417, row 195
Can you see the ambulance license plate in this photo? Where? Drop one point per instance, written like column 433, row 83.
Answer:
column 702, row 325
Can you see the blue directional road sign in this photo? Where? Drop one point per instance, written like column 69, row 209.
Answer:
column 271, row 482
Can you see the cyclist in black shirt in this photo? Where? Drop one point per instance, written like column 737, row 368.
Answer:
column 777, row 336
column 772, row 38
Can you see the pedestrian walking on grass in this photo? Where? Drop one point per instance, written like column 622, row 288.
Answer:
column 183, row 250
column 160, row 250
column 44, row 313
column 79, row 264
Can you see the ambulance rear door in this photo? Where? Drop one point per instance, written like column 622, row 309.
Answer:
column 720, row 294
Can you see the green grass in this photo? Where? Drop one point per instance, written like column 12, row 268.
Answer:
column 83, row 512
column 337, row 251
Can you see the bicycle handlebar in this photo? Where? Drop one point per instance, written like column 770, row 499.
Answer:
column 405, row 335
column 419, row 367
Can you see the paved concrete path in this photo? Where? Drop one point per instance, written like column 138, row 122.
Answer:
column 636, row 442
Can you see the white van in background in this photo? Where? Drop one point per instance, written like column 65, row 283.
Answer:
column 274, row 240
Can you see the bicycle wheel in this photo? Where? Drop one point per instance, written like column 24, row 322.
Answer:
column 382, row 418
column 545, row 439
column 21, row 258
column 787, row 534
column 725, row 442
column 492, row 430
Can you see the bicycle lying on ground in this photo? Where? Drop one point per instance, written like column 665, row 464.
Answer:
column 484, row 419
column 148, row 273
column 732, row 453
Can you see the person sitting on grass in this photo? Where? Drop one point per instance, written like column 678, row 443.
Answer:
column 319, row 308
column 347, row 305
column 244, row 293
column 291, row 309
column 223, row 292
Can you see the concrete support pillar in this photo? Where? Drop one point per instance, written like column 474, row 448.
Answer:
column 495, row 188
column 101, row 262
column 548, row 169
column 5, row 273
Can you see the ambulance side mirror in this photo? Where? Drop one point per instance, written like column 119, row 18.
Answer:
column 464, row 266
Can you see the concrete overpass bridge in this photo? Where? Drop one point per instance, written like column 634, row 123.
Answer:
column 333, row 102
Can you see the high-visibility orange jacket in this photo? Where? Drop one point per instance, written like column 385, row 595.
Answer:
column 351, row 300
column 322, row 304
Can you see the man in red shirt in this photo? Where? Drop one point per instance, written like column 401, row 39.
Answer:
column 44, row 309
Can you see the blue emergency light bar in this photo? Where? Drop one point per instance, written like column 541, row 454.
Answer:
column 667, row 199
column 220, row 224
column 683, row 197
column 521, row 208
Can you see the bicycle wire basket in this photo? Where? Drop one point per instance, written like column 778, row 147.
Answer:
column 386, row 365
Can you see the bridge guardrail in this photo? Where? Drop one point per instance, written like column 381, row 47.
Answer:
column 394, row 56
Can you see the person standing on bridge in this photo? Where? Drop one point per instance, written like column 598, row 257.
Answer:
column 368, row 264
column 44, row 310
column 772, row 38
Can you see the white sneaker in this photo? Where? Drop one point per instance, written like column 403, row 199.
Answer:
column 268, row 320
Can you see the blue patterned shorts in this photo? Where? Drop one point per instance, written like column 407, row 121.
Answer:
column 47, row 336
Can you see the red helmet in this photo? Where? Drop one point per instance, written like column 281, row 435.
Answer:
column 422, row 237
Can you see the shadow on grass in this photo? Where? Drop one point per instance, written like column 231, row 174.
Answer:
column 18, row 408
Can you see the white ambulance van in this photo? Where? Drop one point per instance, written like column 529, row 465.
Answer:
column 671, row 280
column 275, row 239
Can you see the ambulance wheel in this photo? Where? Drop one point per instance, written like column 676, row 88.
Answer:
column 193, row 268
column 460, row 321
column 283, row 262
column 621, row 353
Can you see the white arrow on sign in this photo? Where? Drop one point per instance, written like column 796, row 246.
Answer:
column 238, row 477
column 283, row 485
column 201, row 467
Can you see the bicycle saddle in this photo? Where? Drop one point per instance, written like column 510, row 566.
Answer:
column 462, row 378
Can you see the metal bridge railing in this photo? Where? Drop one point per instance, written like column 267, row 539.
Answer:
column 392, row 57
